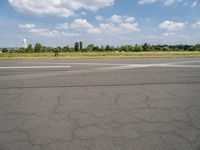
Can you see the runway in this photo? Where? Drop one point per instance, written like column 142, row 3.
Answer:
column 103, row 104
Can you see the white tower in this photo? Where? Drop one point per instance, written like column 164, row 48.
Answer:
column 25, row 43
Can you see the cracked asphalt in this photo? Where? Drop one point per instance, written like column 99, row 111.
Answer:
column 114, row 104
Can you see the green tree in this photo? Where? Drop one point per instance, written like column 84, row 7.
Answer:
column 76, row 46
column 90, row 47
column 124, row 48
column 165, row 48
column 196, row 47
column 96, row 49
column 44, row 49
column 81, row 45
column 29, row 49
column 138, row 48
column 66, row 49
column 131, row 48
column 102, row 48
column 107, row 48
column 21, row 50
column 145, row 47
column 4, row 50
column 37, row 48
column 59, row 49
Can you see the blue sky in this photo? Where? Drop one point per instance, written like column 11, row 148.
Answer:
column 115, row 22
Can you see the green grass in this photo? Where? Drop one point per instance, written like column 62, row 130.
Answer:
column 97, row 55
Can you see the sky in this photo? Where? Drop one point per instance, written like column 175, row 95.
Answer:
column 102, row 22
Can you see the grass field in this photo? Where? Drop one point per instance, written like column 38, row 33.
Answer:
column 91, row 55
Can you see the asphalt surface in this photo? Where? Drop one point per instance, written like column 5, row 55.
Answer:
column 119, row 104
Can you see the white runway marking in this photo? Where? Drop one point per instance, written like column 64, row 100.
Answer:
column 110, row 66
column 185, row 62
column 89, row 64
column 98, row 67
column 124, row 66
column 34, row 67
column 147, row 65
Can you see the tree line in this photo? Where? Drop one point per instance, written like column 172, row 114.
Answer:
column 78, row 47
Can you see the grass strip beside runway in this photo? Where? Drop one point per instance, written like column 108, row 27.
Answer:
column 98, row 55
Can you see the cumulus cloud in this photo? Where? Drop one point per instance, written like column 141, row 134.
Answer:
column 168, row 2
column 122, row 28
column 116, row 18
column 167, row 38
column 131, row 27
column 195, row 3
column 99, row 18
column 119, row 24
column 27, row 26
column 196, row 25
column 146, row 1
column 94, row 31
column 51, row 33
column 83, row 24
column 169, row 34
column 45, row 31
column 62, row 8
column 114, row 25
column 62, row 26
column 120, row 19
column 172, row 26
column 80, row 24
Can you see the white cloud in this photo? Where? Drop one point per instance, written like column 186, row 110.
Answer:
column 83, row 24
column 126, row 25
column 45, row 31
column 62, row 26
column 62, row 8
column 94, row 31
column 129, row 19
column 119, row 24
column 172, row 26
column 51, row 33
column 146, row 1
column 27, row 26
column 170, row 2
column 122, row 28
column 116, row 18
column 196, row 25
column 167, row 38
column 169, row 34
column 80, row 24
column 99, row 18
column 121, row 19
column 108, row 27
column 195, row 3
column 132, row 27
column 165, row 2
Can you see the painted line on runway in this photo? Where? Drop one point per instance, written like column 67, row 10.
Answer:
column 34, row 67
column 116, row 67
column 185, row 62
column 183, row 66
column 89, row 64
column 146, row 66
column 121, row 65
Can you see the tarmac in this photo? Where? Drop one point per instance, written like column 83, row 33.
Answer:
column 102, row 104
